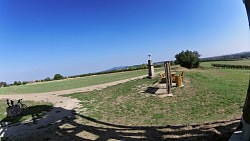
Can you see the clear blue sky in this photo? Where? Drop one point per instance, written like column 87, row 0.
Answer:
column 39, row 38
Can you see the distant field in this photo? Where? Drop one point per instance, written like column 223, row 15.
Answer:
column 72, row 83
column 240, row 62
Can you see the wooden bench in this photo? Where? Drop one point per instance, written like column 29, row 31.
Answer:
column 163, row 76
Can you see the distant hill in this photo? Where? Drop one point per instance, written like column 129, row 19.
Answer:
column 236, row 56
column 117, row 68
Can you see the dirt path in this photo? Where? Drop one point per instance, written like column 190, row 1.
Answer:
column 63, row 107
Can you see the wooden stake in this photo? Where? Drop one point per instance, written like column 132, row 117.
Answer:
column 168, row 76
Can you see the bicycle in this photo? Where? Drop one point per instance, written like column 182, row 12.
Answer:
column 22, row 106
column 15, row 109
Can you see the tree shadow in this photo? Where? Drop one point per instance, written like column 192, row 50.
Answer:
column 36, row 112
column 63, row 124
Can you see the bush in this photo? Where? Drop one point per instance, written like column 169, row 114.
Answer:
column 58, row 77
column 47, row 79
column 188, row 59
column 24, row 82
column 3, row 84
column 231, row 66
column 143, row 66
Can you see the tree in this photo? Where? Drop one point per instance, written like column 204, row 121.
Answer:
column 3, row 84
column 188, row 59
column 47, row 79
column 143, row 66
column 131, row 68
column 15, row 82
column 58, row 77
column 24, row 82
column 19, row 83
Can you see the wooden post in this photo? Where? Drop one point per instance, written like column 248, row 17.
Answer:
column 168, row 76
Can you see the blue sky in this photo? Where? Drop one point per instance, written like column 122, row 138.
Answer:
column 39, row 38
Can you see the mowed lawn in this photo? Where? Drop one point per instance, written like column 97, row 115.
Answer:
column 239, row 62
column 209, row 95
column 72, row 83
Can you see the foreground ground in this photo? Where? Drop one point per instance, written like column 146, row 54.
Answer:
column 207, row 108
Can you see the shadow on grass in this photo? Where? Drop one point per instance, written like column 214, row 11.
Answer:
column 34, row 111
column 80, row 127
column 151, row 90
column 104, row 131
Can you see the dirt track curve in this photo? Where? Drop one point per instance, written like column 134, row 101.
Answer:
column 62, row 108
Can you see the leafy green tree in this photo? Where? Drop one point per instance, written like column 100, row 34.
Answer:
column 24, row 82
column 188, row 59
column 3, row 84
column 47, row 79
column 58, row 77
column 19, row 83
column 143, row 66
column 131, row 68
column 15, row 82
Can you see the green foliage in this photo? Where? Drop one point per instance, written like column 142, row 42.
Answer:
column 131, row 68
column 3, row 84
column 24, row 82
column 188, row 59
column 143, row 66
column 244, row 62
column 47, row 79
column 17, row 83
column 231, row 66
column 58, row 77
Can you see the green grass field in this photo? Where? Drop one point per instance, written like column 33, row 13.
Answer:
column 91, row 80
column 72, row 83
column 240, row 62
column 209, row 95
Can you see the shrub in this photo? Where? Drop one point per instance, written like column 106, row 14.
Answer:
column 3, row 84
column 188, row 59
column 24, row 82
column 231, row 66
column 47, row 79
column 58, row 77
